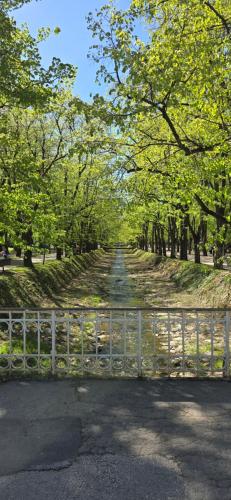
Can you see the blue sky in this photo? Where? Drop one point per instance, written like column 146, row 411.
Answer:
column 72, row 44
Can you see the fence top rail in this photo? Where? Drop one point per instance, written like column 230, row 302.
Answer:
column 111, row 309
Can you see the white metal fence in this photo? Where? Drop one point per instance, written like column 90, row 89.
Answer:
column 116, row 341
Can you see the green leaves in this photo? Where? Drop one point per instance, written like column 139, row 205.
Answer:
column 169, row 94
column 23, row 81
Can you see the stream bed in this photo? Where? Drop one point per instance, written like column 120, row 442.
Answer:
column 103, row 326
column 122, row 291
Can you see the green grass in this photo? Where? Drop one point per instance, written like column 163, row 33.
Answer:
column 210, row 287
column 23, row 287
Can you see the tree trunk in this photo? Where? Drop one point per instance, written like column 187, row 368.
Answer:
column 197, row 255
column 196, row 238
column 163, row 243
column 204, row 231
column 145, row 236
column 28, row 239
column 169, row 235
column 59, row 253
column 173, row 237
column 218, row 255
column 177, row 241
column 18, row 251
column 219, row 246
column 153, row 238
column 184, row 239
column 159, row 241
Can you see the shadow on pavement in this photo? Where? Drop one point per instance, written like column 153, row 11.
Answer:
column 124, row 439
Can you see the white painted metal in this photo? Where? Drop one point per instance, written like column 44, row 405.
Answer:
column 227, row 344
column 53, row 341
column 116, row 342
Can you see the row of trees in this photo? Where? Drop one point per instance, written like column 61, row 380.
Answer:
column 170, row 97
column 55, row 178
column 149, row 163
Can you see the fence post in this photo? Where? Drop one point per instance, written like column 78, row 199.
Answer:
column 139, row 353
column 227, row 352
column 53, row 353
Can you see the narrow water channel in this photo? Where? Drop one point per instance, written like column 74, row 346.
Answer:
column 122, row 292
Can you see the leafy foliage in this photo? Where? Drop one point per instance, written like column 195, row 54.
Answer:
column 149, row 163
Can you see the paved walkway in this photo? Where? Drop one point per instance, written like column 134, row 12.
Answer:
column 115, row 440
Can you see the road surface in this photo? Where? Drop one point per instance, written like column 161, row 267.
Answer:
column 84, row 439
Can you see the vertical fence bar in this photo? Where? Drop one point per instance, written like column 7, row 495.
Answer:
column 139, row 346
column 227, row 350
column 82, row 318
column 10, row 340
column 154, row 331
column 169, row 343
column 53, row 353
column 39, row 340
column 197, row 344
column 24, row 340
column 183, row 341
column 212, row 331
column 68, row 341
column 125, row 338
column 110, row 340
column 96, row 342
column 212, row 318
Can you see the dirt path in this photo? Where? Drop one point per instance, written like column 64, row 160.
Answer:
column 121, row 279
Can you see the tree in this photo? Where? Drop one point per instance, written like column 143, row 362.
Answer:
column 177, row 83
column 23, row 80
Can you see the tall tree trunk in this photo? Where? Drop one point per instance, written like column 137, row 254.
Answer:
column 145, row 236
column 184, row 238
column 173, row 236
column 18, row 251
column 218, row 255
column 163, row 243
column 59, row 253
column 159, row 241
column 197, row 255
column 177, row 240
column 153, row 238
column 169, row 236
column 219, row 246
column 204, row 231
column 196, row 237
column 28, row 239
column 156, row 240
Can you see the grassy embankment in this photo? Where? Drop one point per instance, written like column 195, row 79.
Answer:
column 22, row 287
column 211, row 286
column 31, row 287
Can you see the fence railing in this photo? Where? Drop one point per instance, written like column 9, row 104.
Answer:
column 116, row 341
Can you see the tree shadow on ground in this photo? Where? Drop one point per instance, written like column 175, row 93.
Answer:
column 171, row 435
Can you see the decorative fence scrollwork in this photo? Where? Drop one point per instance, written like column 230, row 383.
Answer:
column 116, row 341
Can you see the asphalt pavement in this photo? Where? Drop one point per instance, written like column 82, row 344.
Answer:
column 115, row 440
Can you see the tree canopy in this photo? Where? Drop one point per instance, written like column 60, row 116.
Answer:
column 149, row 163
